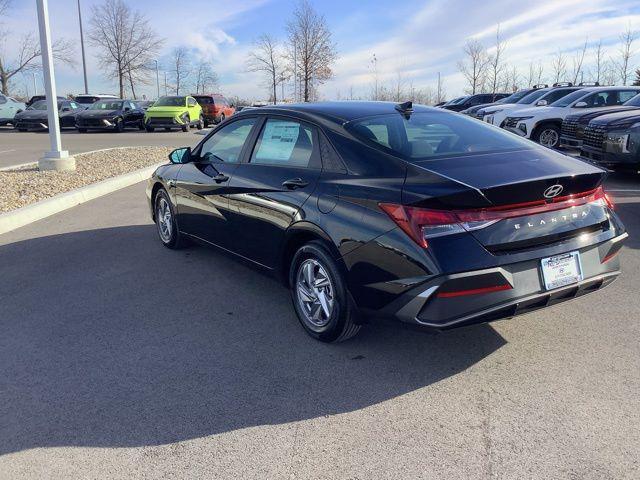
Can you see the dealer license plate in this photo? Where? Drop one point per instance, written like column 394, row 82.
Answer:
column 561, row 270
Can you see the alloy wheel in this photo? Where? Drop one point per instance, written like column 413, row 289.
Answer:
column 549, row 138
column 164, row 220
column 314, row 293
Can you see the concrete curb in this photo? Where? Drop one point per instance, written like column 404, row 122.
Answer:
column 31, row 213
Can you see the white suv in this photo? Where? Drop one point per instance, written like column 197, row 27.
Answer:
column 543, row 124
column 497, row 114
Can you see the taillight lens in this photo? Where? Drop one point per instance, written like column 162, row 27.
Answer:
column 421, row 223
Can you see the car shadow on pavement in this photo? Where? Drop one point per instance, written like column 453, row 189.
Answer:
column 111, row 340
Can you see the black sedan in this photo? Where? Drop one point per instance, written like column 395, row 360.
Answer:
column 371, row 210
column 35, row 117
column 114, row 115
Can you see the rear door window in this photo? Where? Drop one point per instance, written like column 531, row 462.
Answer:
column 284, row 142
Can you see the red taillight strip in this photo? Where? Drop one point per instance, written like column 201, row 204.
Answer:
column 474, row 291
column 522, row 209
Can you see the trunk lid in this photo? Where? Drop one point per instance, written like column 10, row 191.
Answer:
column 526, row 195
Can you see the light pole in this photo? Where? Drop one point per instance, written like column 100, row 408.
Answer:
column 157, row 79
column 84, row 62
column 56, row 158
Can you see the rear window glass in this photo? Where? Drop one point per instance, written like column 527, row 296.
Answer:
column 431, row 135
column 86, row 100
column 204, row 100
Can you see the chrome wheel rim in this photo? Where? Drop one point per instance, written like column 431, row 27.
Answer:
column 164, row 221
column 549, row 138
column 315, row 293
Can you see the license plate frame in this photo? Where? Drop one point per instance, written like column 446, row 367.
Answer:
column 561, row 270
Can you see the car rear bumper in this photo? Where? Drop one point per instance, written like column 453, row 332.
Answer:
column 467, row 298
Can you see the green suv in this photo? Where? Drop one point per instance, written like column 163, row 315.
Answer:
column 180, row 111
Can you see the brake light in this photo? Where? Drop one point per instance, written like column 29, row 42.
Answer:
column 421, row 223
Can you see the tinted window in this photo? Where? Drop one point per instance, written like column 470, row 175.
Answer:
column 532, row 97
column 86, row 100
column 569, row 99
column 192, row 102
column 554, row 95
column 106, row 105
column 170, row 102
column 225, row 145
column 433, row 135
column 626, row 95
column 39, row 105
column 284, row 142
column 603, row 99
column 204, row 100
column 2, row 99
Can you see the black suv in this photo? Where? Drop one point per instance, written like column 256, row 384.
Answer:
column 474, row 100
column 370, row 210
column 573, row 126
column 613, row 140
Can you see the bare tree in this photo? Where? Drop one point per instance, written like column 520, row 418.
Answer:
column 180, row 67
column 206, row 78
column 125, row 40
column 577, row 61
column 626, row 52
column 496, row 63
column 28, row 52
column 559, row 66
column 267, row 58
column 4, row 6
column 440, row 93
column 511, row 79
column 598, row 61
column 312, row 51
column 474, row 67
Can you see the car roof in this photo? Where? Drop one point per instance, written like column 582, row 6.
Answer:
column 341, row 112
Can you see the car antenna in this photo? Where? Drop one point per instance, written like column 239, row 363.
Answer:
column 405, row 108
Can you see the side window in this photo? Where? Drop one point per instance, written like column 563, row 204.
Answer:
column 225, row 145
column 191, row 102
column 283, row 142
column 626, row 95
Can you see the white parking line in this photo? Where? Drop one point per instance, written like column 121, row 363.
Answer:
column 6, row 151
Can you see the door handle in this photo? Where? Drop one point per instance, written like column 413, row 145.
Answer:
column 220, row 178
column 294, row 183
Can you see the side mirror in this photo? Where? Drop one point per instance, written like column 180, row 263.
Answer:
column 542, row 103
column 180, row 155
column 581, row 105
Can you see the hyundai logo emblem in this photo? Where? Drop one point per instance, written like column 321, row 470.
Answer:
column 553, row 191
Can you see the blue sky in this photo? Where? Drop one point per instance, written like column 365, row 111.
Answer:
column 416, row 39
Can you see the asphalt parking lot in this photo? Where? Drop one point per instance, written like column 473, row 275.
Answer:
column 122, row 359
column 22, row 147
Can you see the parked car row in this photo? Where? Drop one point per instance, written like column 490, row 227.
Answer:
column 107, row 112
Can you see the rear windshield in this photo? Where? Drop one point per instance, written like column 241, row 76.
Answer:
column 431, row 135
column 204, row 100
column 170, row 102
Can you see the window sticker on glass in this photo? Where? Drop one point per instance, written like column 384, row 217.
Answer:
column 278, row 140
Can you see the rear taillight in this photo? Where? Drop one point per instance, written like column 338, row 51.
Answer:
column 421, row 223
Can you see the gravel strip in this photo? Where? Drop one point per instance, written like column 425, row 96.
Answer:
column 24, row 186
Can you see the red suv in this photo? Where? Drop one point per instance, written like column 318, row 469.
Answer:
column 215, row 107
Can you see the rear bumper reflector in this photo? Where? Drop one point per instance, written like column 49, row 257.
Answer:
column 474, row 291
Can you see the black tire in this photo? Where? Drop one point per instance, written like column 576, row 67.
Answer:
column 200, row 124
column 119, row 126
column 222, row 118
column 141, row 125
column 22, row 129
column 167, row 129
column 82, row 130
column 342, row 322
column 187, row 124
column 547, row 135
column 206, row 123
column 174, row 239
column 149, row 128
